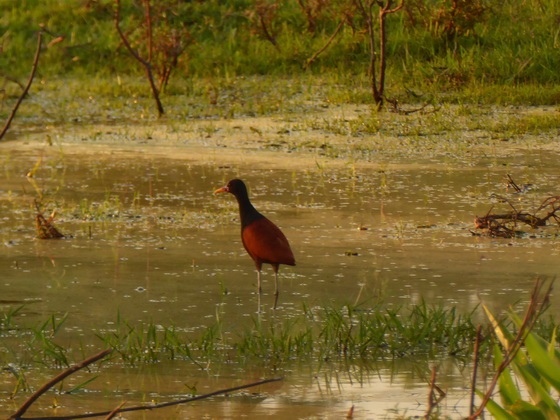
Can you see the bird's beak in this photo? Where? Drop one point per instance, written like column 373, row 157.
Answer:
column 221, row 190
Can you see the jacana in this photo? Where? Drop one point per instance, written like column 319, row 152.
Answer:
column 262, row 239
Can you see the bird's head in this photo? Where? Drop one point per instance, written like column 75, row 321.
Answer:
column 235, row 187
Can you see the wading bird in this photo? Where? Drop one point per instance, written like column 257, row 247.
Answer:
column 263, row 240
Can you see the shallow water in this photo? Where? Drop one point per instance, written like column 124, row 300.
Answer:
column 149, row 242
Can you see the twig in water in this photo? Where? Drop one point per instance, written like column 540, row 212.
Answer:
column 475, row 367
column 432, row 400
column 115, row 411
column 511, row 183
column 156, row 406
column 21, row 411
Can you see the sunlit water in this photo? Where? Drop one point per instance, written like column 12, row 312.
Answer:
column 149, row 242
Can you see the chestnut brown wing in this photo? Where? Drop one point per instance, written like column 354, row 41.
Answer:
column 266, row 243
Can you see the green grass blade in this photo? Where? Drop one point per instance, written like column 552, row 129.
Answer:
column 541, row 396
column 80, row 386
column 547, row 367
column 523, row 410
column 497, row 411
column 509, row 392
column 506, row 337
column 552, row 352
column 502, row 334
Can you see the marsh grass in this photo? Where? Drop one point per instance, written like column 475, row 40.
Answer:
column 352, row 340
column 7, row 318
column 43, row 345
column 319, row 335
column 300, row 111
column 535, row 123
column 32, row 344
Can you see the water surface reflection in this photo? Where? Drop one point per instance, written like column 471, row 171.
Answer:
column 150, row 243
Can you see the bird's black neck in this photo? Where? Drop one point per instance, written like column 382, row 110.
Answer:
column 247, row 212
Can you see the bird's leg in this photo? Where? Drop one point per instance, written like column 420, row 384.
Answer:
column 258, row 265
column 276, row 290
column 259, row 289
column 275, row 285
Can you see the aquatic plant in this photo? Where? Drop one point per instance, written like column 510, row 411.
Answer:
column 351, row 335
column 7, row 318
column 534, row 361
column 327, row 334
column 322, row 334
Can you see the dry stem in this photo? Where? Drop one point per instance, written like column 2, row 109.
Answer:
column 475, row 367
column 55, row 380
column 432, row 400
column 329, row 41
column 26, row 89
column 503, row 225
column 147, row 65
column 119, row 409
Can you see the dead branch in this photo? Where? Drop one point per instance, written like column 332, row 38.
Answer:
column 503, row 199
column 377, row 81
column 156, row 406
column 511, row 183
column 110, row 414
column 12, row 79
column 149, row 37
column 475, row 367
column 554, row 203
column 385, row 10
column 431, row 394
column 21, row 411
column 147, row 65
column 26, row 89
column 537, row 305
column 504, row 225
column 329, row 41
column 490, row 219
column 395, row 104
column 267, row 33
column 433, row 401
column 261, row 18
column 115, row 411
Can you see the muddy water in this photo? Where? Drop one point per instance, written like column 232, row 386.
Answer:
column 148, row 242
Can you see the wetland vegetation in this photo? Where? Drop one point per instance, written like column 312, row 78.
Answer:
column 378, row 202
